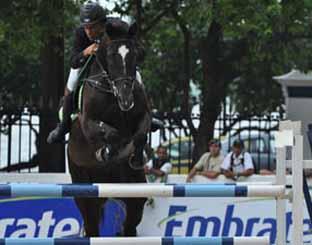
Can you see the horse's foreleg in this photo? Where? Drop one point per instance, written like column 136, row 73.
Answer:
column 139, row 140
column 134, row 206
column 99, row 131
column 91, row 130
column 143, row 127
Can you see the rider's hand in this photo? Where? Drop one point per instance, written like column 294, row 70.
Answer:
column 91, row 49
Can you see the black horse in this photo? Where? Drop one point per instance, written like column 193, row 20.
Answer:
column 106, row 143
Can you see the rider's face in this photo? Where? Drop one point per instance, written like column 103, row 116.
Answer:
column 94, row 30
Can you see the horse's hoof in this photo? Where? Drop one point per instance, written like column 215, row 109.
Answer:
column 98, row 155
column 103, row 154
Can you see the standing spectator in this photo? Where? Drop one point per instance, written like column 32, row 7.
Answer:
column 158, row 168
column 238, row 162
column 209, row 163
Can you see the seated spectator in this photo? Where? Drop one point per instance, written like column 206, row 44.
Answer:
column 209, row 163
column 158, row 168
column 238, row 162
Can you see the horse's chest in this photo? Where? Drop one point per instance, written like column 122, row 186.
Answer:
column 108, row 111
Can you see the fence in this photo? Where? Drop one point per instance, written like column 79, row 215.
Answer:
column 19, row 131
column 19, row 140
column 257, row 133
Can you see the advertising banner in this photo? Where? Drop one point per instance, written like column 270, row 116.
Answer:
column 53, row 217
column 216, row 217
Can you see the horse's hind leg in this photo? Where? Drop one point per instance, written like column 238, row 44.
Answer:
column 134, row 215
column 134, row 206
column 90, row 209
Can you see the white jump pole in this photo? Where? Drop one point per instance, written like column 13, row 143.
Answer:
column 297, row 182
column 280, row 203
column 142, row 190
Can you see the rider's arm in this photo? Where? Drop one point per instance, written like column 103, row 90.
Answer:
column 80, row 43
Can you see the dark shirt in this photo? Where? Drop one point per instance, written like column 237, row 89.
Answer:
column 82, row 41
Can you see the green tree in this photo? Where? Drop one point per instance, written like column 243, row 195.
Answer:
column 32, row 65
column 228, row 48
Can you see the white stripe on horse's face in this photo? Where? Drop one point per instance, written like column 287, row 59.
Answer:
column 123, row 51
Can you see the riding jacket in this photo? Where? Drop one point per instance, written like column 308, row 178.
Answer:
column 82, row 41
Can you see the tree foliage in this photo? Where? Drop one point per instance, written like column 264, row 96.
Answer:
column 228, row 48
column 22, row 27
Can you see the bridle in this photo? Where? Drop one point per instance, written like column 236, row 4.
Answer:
column 94, row 80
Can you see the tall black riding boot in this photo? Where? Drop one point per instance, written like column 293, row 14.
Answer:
column 62, row 128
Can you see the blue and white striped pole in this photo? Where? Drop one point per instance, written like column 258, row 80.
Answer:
column 139, row 190
column 139, row 241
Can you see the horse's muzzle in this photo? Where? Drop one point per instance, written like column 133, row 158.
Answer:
column 125, row 105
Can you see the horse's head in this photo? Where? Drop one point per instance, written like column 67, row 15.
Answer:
column 119, row 56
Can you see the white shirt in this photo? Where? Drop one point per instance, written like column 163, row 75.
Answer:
column 237, row 166
column 166, row 167
column 207, row 163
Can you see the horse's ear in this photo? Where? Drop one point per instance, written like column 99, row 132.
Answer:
column 109, row 29
column 133, row 30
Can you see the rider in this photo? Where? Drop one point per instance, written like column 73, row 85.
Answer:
column 93, row 26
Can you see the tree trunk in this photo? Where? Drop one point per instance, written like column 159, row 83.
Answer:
column 51, row 157
column 138, row 16
column 213, row 91
column 185, row 102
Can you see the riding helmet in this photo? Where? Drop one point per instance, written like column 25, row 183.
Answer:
column 91, row 13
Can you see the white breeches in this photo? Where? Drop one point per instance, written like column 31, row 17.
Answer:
column 73, row 79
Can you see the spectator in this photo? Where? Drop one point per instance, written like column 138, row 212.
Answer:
column 209, row 163
column 158, row 168
column 238, row 162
